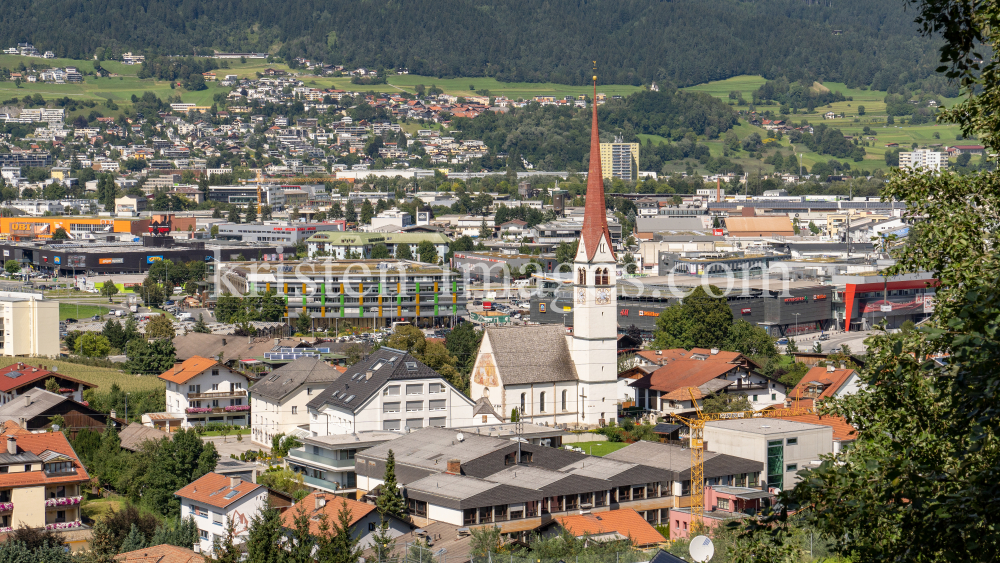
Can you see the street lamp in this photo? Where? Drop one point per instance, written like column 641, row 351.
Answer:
column 796, row 323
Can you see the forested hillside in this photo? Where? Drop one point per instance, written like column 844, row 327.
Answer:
column 634, row 41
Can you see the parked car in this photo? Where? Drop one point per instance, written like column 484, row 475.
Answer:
column 782, row 342
column 68, row 321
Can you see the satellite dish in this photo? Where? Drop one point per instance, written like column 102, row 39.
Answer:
column 460, row 437
column 701, row 549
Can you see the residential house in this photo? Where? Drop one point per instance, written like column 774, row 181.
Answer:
column 164, row 553
column 824, row 383
column 469, row 479
column 612, row 525
column 18, row 378
column 40, row 485
column 364, row 518
column 134, row 435
column 326, row 463
column 213, row 500
column 34, row 410
column 201, row 391
column 666, row 388
column 280, row 398
column 391, row 390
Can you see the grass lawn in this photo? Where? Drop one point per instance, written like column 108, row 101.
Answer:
column 599, row 448
column 722, row 88
column 92, row 509
column 102, row 377
column 233, row 432
column 80, row 311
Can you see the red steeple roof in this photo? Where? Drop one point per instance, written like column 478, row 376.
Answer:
column 595, row 220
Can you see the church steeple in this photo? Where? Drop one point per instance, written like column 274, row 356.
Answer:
column 595, row 220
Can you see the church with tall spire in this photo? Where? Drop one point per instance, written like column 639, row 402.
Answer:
column 548, row 375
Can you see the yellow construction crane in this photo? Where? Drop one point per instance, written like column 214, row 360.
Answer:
column 697, row 436
column 260, row 181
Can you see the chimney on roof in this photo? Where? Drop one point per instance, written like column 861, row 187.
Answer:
column 715, row 351
column 454, row 466
column 113, row 414
column 234, row 482
column 369, row 374
column 27, row 400
column 830, row 368
column 843, row 365
column 223, row 341
column 320, row 500
column 11, row 445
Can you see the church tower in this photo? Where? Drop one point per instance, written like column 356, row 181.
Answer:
column 594, row 342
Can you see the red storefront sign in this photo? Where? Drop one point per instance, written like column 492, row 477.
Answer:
column 745, row 311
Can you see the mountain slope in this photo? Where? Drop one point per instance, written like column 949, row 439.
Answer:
column 634, row 41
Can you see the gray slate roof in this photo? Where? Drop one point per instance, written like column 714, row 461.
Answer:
column 133, row 435
column 677, row 460
column 283, row 381
column 354, row 387
column 29, row 405
column 532, row 354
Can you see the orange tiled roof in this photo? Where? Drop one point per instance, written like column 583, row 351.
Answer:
column 212, row 489
column 333, row 504
column 184, row 371
column 842, row 431
column 164, row 553
column 831, row 380
column 39, row 444
column 626, row 522
column 685, row 373
column 10, row 428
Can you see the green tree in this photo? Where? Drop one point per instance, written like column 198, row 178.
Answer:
column 344, row 545
column 380, row 252
column 92, row 345
column 52, row 385
column 160, row 327
column 135, row 540
column 251, row 213
column 367, row 212
column 486, row 540
column 485, row 232
column 303, row 324
column 463, row 343
column 566, row 255
column 403, row 252
column 11, row 267
column 265, row 533
column 724, row 402
column 281, row 444
column 234, row 215
column 750, row 340
column 427, row 252
column 149, row 356
column 201, row 326
column 698, row 321
column 350, row 214
column 60, row 234
column 109, row 289
column 151, row 292
column 115, row 334
column 224, row 549
column 861, row 110
column 383, row 545
column 390, row 501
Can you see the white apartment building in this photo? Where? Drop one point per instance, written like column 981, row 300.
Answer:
column 202, row 391
column 280, row 398
column 391, row 218
column 29, row 324
column 215, row 499
column 924, row 159
column 392, row 391
column 326, row 463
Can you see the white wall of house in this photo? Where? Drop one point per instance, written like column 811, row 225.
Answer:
column 218, row 380
column 211, row 520
column 415, row 403
column 272, row 417
column 442, row 514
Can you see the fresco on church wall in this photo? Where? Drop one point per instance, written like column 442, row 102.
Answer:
column 486, row 372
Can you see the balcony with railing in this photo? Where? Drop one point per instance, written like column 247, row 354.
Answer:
column 327, row 460
column 232, row 394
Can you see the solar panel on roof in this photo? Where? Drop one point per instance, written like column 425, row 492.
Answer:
column 232, row 493
column 13, row 374
column 349, row 399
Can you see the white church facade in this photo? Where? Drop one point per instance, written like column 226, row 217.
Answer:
column 551, row 376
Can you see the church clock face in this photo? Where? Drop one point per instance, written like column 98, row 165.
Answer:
column 581, row 296
column 603, row 296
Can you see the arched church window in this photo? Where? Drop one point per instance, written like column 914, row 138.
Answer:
column 564, row 401
column 581, row 276
column 522, row 401
column 541, row 402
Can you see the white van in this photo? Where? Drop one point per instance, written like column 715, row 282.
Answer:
column 185, row 317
